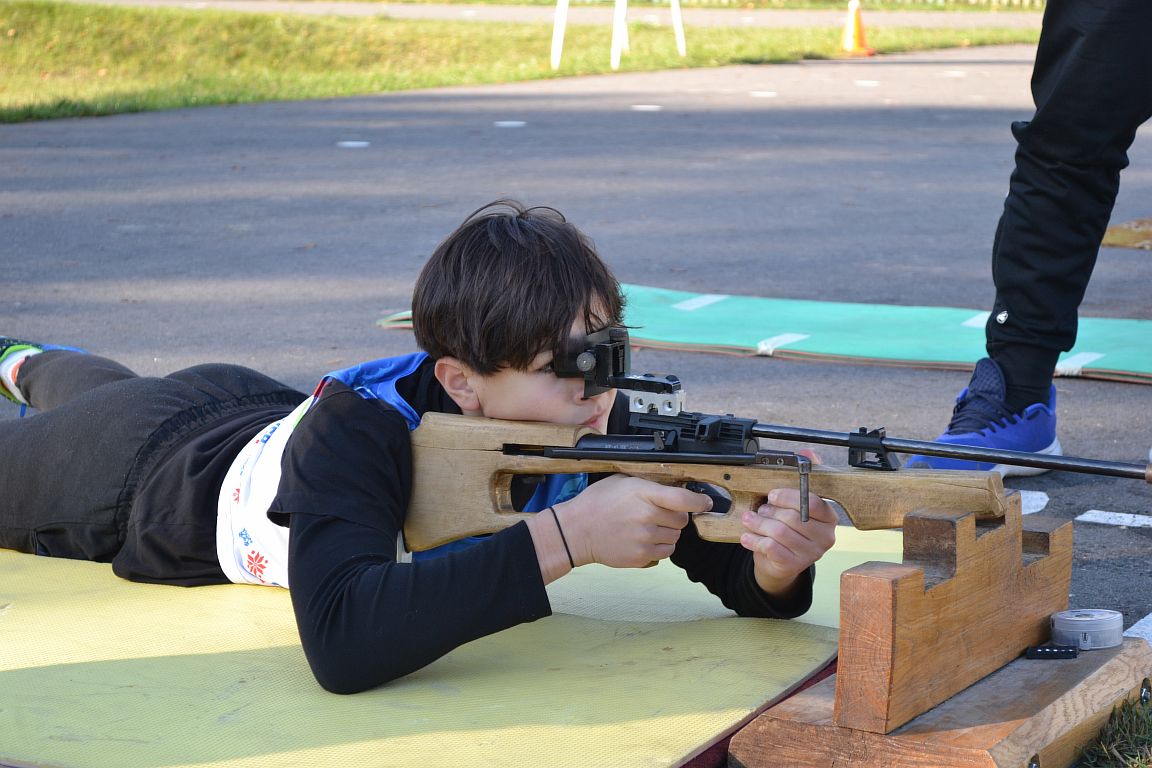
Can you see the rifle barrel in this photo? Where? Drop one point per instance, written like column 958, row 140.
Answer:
column 972, row 453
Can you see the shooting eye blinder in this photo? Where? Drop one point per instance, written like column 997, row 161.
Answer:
column 602, row 359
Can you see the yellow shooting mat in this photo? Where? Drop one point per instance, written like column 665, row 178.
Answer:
column 636, row 668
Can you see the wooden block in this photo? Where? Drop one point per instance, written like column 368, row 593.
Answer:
column 1043, row 712
column 969, row 597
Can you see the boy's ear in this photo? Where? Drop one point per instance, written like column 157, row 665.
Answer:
column 456, row 378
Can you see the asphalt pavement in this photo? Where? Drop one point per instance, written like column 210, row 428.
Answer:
column 275, row 235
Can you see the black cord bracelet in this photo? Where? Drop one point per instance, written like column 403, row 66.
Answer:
column 563, row 538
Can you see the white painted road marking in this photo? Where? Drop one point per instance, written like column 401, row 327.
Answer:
column 1032, row 502
column 977, row 321
column 1142, row 628
column 699, row 302
column 1115, row 518
column 767, row 346
column 1072, row 366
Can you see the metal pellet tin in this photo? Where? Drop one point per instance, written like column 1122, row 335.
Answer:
column 1088, row 629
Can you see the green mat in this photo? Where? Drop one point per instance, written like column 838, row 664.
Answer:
column 933, row 337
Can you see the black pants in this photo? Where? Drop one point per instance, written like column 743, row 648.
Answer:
column 1092, row 85
column 125, row 469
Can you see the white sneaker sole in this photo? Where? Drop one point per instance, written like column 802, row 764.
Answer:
column 1011, row 470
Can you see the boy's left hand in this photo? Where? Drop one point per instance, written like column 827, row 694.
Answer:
column 783, row 546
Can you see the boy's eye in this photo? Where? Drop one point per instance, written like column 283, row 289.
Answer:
column 546, row 368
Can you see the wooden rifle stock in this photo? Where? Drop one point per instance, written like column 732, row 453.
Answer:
column 462, row 484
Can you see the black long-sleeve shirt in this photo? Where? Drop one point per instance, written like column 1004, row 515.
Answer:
column 365, row 618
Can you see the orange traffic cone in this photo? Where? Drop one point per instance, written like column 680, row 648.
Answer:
column 854, row 43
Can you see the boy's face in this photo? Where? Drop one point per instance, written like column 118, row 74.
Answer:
column 538, row 394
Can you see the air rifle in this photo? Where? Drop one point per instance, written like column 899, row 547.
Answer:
column 464, row 466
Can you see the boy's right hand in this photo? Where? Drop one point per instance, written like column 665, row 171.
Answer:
column 627, row 522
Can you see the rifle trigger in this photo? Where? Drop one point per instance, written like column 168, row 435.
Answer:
column 720, row 502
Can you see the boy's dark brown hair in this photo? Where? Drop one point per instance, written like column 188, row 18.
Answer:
column 507, row 285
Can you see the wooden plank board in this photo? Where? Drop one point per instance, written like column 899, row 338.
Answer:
column 1045, row 711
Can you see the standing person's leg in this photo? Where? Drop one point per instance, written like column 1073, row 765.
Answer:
column 1090, row 86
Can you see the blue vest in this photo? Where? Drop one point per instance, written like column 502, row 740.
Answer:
column 376, row 380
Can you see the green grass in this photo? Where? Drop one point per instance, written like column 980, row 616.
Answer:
column 840, row 5
column 1125, row 741
column 70, row 60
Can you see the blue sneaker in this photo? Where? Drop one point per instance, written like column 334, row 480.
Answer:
column 981, row 419
column 12, row 354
